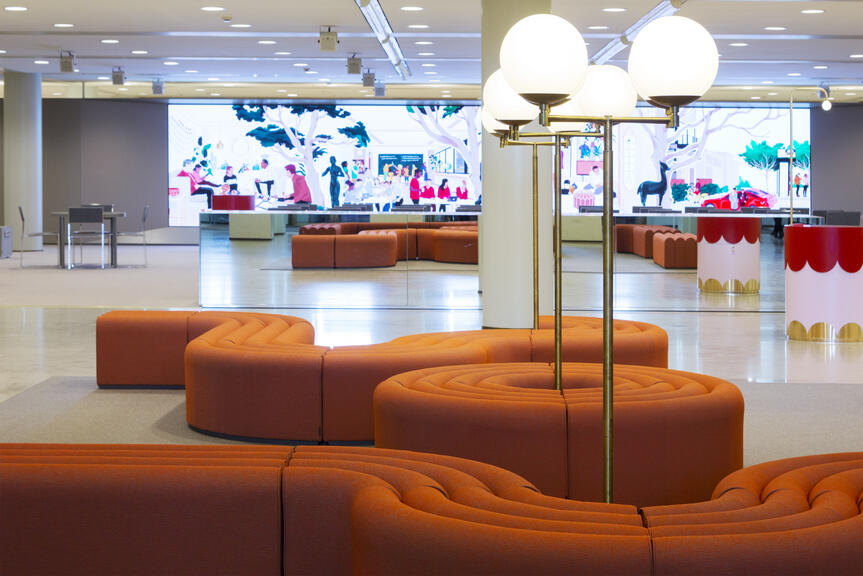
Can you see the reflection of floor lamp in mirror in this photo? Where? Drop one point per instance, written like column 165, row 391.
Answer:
column 826, row 105
column 672, row 62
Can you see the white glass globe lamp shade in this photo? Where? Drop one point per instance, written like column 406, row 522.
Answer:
column 607, row 91
column 568, row 108
column 673, row 61
column 544, row 58
column 504, row 104
column 491, row 125
column 826, row 105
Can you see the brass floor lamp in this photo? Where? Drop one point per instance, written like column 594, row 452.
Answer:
column 544, row 64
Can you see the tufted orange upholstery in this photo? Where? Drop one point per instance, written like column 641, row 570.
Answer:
column 313, row 251
column 675, row 250
column 226, row 348
column 372, row 250
column 453, row 245
column 676, row 433
column 642, row 238
column 264, row 510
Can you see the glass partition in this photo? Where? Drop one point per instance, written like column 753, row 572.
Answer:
column 287, row 259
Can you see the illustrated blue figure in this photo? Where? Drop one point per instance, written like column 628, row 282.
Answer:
column 335, row 172
column 584, row 150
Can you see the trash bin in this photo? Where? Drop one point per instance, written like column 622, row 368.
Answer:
column 5, row 241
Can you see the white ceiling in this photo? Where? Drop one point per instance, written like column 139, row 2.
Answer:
column 172, row 30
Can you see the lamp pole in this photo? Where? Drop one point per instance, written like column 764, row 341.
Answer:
column 608, row 313
column 791, row 144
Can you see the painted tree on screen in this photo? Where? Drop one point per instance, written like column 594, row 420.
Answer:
column 802, row 153
column 441, row 123
column 762, row 156
column 292, row 131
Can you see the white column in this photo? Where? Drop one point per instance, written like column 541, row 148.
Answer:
column 22, row 155
column 506, row 252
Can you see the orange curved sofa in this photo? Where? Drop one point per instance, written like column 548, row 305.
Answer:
column 261, row 376
column 203, row 510
column 455, row 242
column 676, row 433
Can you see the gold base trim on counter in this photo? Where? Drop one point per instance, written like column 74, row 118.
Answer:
column 825, row 332
column 732, row 286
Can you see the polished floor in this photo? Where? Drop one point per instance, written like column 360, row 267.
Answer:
column 801, row 398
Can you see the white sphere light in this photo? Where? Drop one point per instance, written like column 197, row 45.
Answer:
column 673, row 61
column 490, row 124
column 544, row 58
column 826, row 105
column 505, row 104
column 568, row 108
column 607, row 91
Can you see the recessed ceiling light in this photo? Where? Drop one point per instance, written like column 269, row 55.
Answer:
column 103, row 78
column 266, row 41
column 109, row 41
column 212, row 8
column 300, row 64
column 755, row 97
column 597, row 27
column 75, row 70
column 767, row 82
column 434, row 80
column 428, row 65
column 139, row 52
column 738, row 44
column 424, row 43
column 283, row 53
column 281, row 90
column 794, row 73
column 311, row 71
column 58, row 94
column 190, row 71
column 430, row 73
column 170, row 63
column 2, row 51
column 747, row 88
column 123, row 89
column 773, row 93
column 41, row 62
column 855, row 55
column 199, row 90
column 812, row 11
column 64, row 25
column 229, row 85
column 614, row 9
column 820, row 67
column 412, row 8
column 214, row 94
column 426, row 54
column 241, row 25
column 213, row 79
column 323, row 79
column 16, row 8
column 292, row 95
column 418, row 26
column 775, row 28
column 851, row 93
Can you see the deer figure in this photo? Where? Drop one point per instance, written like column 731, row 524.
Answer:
column 649, row 187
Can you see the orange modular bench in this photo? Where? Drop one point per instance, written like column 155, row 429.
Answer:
column 344, row 511
column 676, row 433
column 625, row 237
column 261, row 376
column 642, row 238
column 455, row 242
column 675, row 250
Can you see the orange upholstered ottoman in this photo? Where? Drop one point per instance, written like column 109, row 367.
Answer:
column 642, row 238
column 458, row 246
column 376, row 249
column 406, row 245
column 675, row 250
column 313, row 251
column 676, row 433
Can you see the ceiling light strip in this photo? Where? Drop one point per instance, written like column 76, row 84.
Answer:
column 377, row 20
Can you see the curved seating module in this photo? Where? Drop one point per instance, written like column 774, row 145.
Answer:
column 260, row 376
column 344, row 511
column 676, row 433
column 675, row 250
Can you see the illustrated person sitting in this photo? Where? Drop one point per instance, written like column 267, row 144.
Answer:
column 265, row 176
column 596, row 179
column 207, row 188
column 230, row 181
column 443, row 193
column 302, row 194
column 415, row 187
column 461, row 192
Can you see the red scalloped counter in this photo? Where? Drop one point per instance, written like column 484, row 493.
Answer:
column 732, row 229
column 823, row 246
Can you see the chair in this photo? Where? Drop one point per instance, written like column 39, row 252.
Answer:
column 84, row 217
column 24, row 234
column 142, row 234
